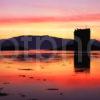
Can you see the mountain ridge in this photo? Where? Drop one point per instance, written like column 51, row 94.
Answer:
column 45, row 42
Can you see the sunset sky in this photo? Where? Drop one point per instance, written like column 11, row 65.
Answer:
column 48, row 17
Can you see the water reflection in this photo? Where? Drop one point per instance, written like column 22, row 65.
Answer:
column 52, row 79
column 82, row 62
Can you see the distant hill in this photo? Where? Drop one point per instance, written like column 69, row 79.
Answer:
column 41, row 43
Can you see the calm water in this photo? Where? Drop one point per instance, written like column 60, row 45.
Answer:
column 49, row 77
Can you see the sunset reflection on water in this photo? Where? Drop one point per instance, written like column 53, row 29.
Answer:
column 48, row 78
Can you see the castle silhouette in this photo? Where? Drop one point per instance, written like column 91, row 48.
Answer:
column 81, row 51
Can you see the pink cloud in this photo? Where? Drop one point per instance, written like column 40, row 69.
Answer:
column 86, row 17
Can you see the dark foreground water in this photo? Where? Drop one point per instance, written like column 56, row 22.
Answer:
column 51, row 77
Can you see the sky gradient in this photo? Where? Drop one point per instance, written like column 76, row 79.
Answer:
column 48, row 17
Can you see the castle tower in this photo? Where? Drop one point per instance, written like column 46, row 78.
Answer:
column 82, row 38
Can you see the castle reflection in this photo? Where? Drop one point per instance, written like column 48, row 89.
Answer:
column 82, row 62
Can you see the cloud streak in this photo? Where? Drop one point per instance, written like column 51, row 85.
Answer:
column 81, row 18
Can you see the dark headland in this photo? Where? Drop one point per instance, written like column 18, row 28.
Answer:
column 42, row 43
